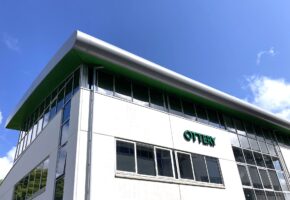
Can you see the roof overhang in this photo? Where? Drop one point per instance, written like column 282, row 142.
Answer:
column 83, row 48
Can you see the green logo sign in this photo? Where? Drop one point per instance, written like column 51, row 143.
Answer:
column 201, row 138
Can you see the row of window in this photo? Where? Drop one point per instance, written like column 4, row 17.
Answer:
column 144, row 159
column 33, row 183
column 251, row 194
column 138, row 93
column 46, row 111
column 256, row 158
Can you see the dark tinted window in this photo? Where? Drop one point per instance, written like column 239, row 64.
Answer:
column 280, row 196
column 145, row 160
column 249, row 194
column 199, row 168
column 59, row 186
column 60, row 100
column 254, row 144
column 259, row 133
column 244, row 142
column 188, row 109
column 68, row 90
column 255, row 177
column 244, row 175
column 268, row 161
column 213, row 170
column 275, row 180
column 238, row 153
column 52, row 110
column 250, row 130
column 123, row 88
column 105, row 83
column 164, row 164
column 64, row 133
column 265, row 179
column 156, row 99
column 213, row 118
column 201, row 114
column 270, row 195
column 76, row 81
column 229, row 123
column 259, row 159
column 125, row 156
column 175, row 104
column 140, row 94
column 260, row 194
column 239, row 126
column 249, row 157
column 185, row 167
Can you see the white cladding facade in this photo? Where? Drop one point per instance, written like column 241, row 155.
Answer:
column 97, row 122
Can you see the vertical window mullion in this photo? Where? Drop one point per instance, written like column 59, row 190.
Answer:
column 135, row 156
column 172, row 165
column 206, row 169
column 192, row 167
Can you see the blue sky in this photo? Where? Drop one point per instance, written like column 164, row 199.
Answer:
column 239, row 47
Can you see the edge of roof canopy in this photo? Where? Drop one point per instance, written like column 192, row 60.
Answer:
column 86, row 44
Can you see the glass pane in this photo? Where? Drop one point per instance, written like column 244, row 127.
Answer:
column 254, row 144
column 39, row 125
column 185, row 168
column 260, row 194
column 249, row 157
column 268, row 161
column 125, row 156
column 24, row 187
column 229, row 124
column 249, row 194
column 164, row 164
column 259, row 133
column 201, row 114
column 244, row 142
column 60, row 100
column 76, row 85
column 277, row 164
column 188, row 109
column 222, row 122
column 140, row 94
column 265, row 179
column 250, row 130
column 268, row 135
column 255, row 177
column 270, row 195
column 156, row 99
column 238, row 153
column 38, row 171
column 234, row 139
column 244, row 175
column 105, row 83
column 30, row 184
column 280, row 196
column 64, row 133
column 52, row 110
column 240, row 127
column 259, row 159
column 46, row 117
column 145, row 160
column 123, row 88
column 44, row 174
column 263, row 147
column 199, row 168
column 213, row 118
column 175, row 104
column 68, row 90
column 59, row 186
column 66, row 112
column 61, row 162
column 34, row 131
column 282, row 181
column 272, row 150
column 275, row 180
column 213, row 170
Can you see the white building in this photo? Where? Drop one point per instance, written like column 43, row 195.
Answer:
column 102, row 123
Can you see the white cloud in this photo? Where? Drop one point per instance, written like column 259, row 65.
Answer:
column 1, row 117
column 270, row 94
column 10, row 42
column 6, row 162
column 270, row 52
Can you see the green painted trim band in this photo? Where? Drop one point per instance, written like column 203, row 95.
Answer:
column 201, row 138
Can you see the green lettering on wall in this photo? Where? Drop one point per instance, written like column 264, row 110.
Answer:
column 201, row 138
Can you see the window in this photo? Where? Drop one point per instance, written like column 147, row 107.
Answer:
column 259, row 133
column 213, row 170
column 255, row 177
column 164, row 164
column 238, row 153
column 125, row 156
column 244, row 175
column 244, row 142
column 66, row 112
column 123, row 88
column 156, row 99
column 272, row 150
column 201, row 114
column 145, row 160
column 229, row 124
column 254, row 144
column 260, row 194
column 60, row 100
column 105, row 83
column 259, row 159
column 270, row 195
column 64, row 133
column 68, row 90
column 199, row 168
column 250, row 130
column 280, row 196
column 268, row 161
column 61, row 162
column 234, row 139
column 175, row 104
column 59, row 186
column 265, row 179
column 213, row 118
column 185, row 166
column 140, row 94
column 249, row 157
column 263, row 147
column 282, row 181
column 276, row 163
column 274, row 180
column 249, row 194
column 188, row 109
column 240, row 127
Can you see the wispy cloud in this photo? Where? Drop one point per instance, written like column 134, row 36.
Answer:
column 6, row 162
column 1, row 117
column 10, row 42
column 270, row 52
column 270, row 94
